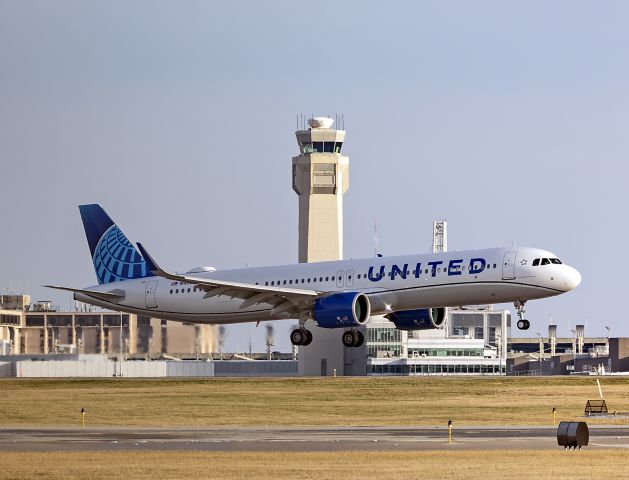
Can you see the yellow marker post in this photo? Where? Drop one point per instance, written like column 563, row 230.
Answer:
column 449, row 431
column 554, row 416
column 83, row 417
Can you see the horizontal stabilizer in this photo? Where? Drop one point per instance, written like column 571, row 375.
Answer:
column 108, row 296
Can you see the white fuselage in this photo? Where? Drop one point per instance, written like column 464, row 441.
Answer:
column 408, row 283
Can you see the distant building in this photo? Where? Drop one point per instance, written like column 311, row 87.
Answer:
column 42, row 329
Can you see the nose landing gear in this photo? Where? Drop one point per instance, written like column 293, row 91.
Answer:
column 522, row 324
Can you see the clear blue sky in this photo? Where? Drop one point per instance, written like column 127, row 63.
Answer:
column 507, row 119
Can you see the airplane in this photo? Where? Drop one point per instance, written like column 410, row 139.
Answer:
column 411, row 291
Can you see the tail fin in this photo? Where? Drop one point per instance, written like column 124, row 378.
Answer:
column 114, row 257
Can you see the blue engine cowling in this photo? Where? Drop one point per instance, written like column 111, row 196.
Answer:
column 423, row 319
column 347, row 309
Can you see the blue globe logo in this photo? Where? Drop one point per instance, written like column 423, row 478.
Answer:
column 115, row 259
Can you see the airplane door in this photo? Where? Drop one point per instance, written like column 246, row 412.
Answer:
column 508, row 266
column 340, row 275
column 149, row 294
column 349, row 281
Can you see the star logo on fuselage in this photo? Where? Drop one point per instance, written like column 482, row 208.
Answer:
column 523, row 262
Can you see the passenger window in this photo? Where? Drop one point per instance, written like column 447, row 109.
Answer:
column 171, row 292
column 273, row 283
column 266, row 283
column 545, row 261
column 290, row 281
column 358, row 276
column 494, row 265
column 177, row 291
column 536, row 262
column 284, row 282
column 321, row 279
column 188, row 290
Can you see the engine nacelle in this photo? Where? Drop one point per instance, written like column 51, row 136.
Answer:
column 347, row 309
column 423, row 319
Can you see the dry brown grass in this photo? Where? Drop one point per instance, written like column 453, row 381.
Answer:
column 305, row 401
column 486, row 465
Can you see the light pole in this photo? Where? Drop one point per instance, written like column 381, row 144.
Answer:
column 574, row 350
column 499, row 345
column 541, row 351
column 121, row 348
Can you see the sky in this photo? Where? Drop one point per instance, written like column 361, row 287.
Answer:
column 508, row 119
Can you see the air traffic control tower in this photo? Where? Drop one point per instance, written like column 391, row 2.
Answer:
column 320, row 178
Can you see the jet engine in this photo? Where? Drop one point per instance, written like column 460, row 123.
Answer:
column 423, row 319
column 347, row 309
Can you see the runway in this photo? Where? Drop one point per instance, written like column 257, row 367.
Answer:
column 298, row 439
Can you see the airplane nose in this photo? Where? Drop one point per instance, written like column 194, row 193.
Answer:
column 572, row 278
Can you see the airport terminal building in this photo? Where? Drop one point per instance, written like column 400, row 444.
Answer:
column 474, row 341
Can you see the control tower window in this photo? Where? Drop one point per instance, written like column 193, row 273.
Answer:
column 306, row 147
column 317, row 147
column 337, row 147
column 328, row 147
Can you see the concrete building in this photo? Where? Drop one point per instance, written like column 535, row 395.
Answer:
column 574, row 354
column 474, row 341
column 321, row 178
column 42, row 329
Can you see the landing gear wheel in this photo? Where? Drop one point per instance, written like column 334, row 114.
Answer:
column 298, row 336
column 524, row 324
column 353, row 338
column 301, row 336
column 348, row 338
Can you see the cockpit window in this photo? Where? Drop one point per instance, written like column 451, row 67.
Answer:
column 536, row 262
column 556, row 261
column 545, row 261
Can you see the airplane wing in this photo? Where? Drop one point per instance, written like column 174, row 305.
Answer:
column 109, row 296
column 284, row 299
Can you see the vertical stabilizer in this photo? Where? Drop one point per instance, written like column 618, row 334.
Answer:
column 114, row 257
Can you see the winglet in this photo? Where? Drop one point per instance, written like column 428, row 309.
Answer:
column 150, row 263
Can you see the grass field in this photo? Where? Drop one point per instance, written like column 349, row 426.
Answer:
column 305, row 401
column 486, row 465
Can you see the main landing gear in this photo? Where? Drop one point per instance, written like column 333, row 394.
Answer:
column 353, row 338
column 522, row 324
column 301, row 336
